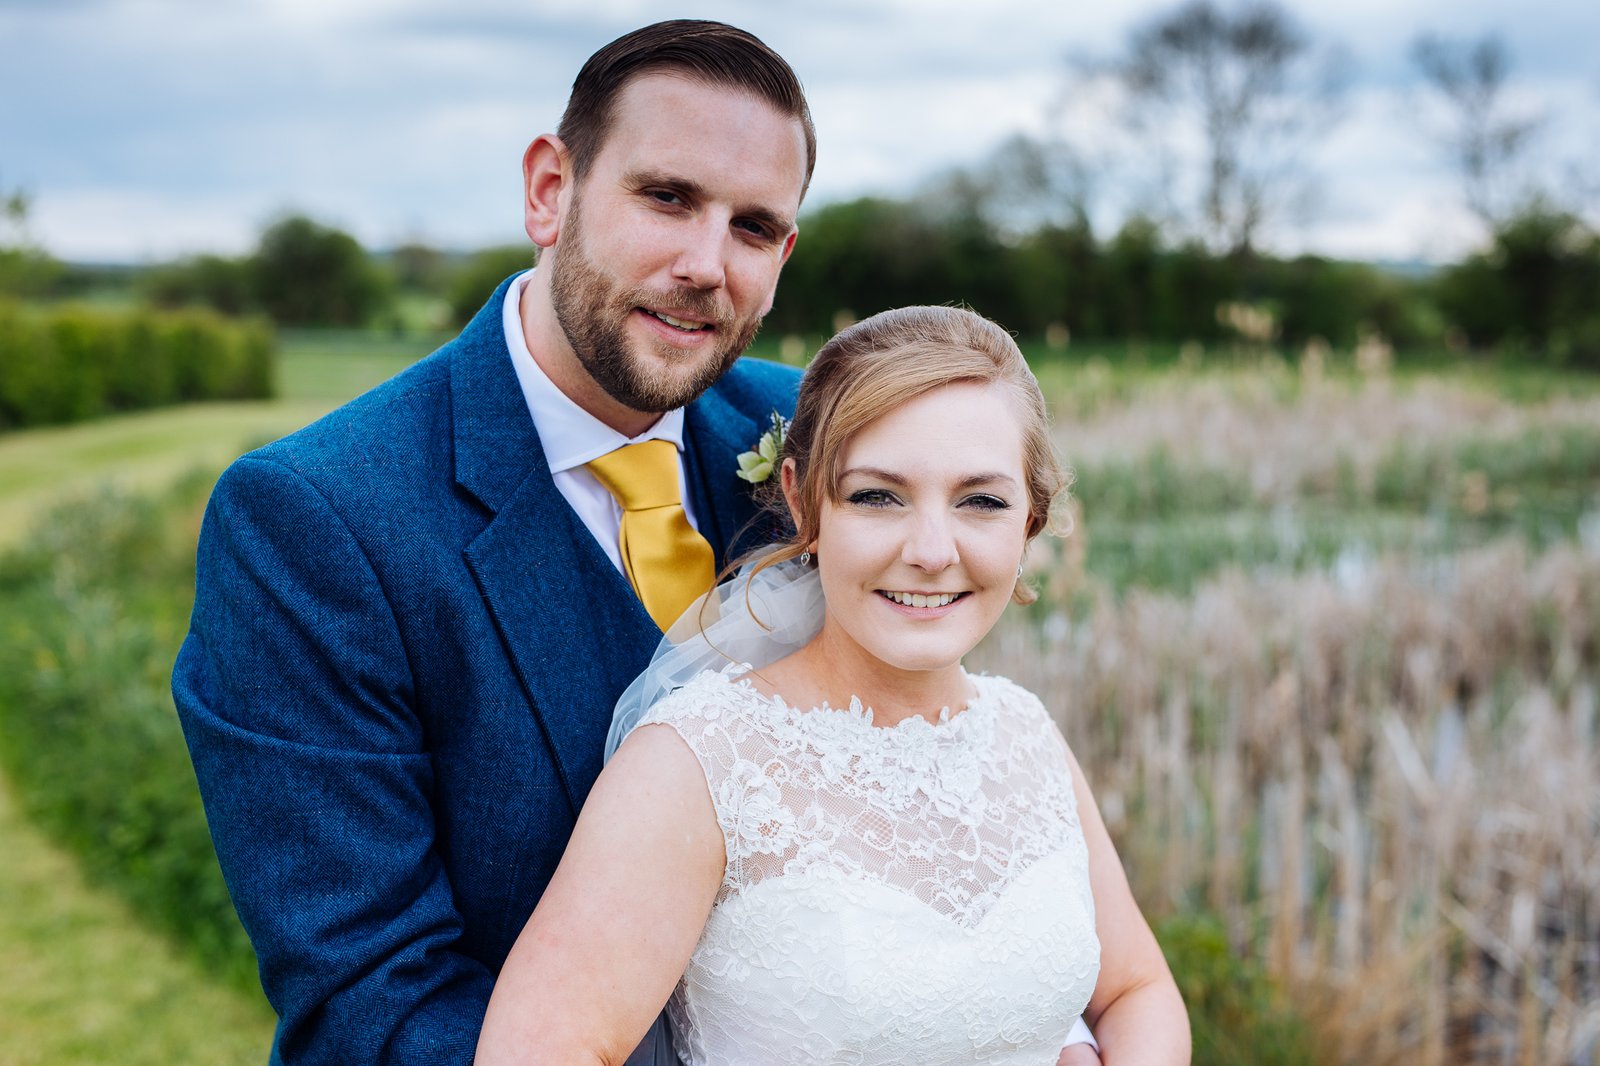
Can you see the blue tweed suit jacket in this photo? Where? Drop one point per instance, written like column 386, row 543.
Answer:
column 396, row 686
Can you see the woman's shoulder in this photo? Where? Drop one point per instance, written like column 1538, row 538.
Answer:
column 1010, row 697
column 1018, row 712
column 710, row 697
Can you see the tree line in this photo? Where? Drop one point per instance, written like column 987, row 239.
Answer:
column 1533, row 292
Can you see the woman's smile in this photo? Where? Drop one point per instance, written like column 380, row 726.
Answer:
column 922, row 602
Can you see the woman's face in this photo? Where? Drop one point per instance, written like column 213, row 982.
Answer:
column 920, row 555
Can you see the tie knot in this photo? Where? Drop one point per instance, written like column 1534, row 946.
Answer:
column 641, row 476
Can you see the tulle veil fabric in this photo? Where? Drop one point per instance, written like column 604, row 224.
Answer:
column 752, row 620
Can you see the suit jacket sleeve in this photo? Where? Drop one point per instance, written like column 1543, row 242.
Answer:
column 297, row 702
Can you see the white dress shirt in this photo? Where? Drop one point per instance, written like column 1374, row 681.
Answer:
column 572, row 436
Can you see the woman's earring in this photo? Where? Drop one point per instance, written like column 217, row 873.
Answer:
column 805, row 557
column 1019, row 571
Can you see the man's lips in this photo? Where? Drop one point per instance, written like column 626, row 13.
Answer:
column 685, row 325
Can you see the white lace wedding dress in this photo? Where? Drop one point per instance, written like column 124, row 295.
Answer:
column 897, row 895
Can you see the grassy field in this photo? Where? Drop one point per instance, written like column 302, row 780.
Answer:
column 1326, row 636
column 82, row 981
column 85, row 983
column 144, row 451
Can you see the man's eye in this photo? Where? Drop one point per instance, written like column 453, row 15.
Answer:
column 755, row 229
column 871, row 498
column 662, row 196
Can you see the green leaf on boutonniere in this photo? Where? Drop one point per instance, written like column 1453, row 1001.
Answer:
column 756, row 466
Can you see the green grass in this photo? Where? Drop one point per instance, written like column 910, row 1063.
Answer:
column 82, row 978
column 83, row 982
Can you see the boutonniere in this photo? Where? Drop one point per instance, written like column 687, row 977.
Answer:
column 756, row 466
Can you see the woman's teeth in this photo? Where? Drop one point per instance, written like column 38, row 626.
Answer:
column 917, row 599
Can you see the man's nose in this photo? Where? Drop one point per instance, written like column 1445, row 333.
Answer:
column 930, row 543
column 700, row 261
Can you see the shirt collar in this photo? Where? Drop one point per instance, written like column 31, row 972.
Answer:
column 569, row 435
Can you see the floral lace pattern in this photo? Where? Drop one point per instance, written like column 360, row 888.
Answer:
column 914, row 893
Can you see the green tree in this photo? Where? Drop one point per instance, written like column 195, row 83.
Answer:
column 471, row 283
column 308, row 274
column 418, row 267
column 25, row 268
column 1537, row 287
column 214, row 281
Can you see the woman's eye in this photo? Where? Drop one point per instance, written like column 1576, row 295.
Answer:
column 984, row 502
column 871, row 498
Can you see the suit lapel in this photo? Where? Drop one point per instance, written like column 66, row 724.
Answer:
column 574, row 630
column 715, row 434
column 572, row 627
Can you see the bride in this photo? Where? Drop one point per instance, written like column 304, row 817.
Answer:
column 822, row 840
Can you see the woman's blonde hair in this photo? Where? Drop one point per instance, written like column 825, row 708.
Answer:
column 878, row 364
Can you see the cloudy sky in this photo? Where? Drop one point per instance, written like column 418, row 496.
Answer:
column 151, row 128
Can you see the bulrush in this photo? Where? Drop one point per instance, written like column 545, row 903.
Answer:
column 1389, row 791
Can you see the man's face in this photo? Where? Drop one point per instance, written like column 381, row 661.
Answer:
column 687, row 216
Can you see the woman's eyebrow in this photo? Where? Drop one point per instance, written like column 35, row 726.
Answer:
column 973, row 480
column 876, row 473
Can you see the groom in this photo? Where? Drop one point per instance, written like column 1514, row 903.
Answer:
column 413, row 617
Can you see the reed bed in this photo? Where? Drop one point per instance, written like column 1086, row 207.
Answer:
column 1387, row 785
column 1287, row 433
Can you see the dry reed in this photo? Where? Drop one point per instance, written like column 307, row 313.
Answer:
column 1288, row 433
column 1388, row 786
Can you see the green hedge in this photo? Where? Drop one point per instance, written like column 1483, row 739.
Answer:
column 70, row 363
column 92, row 609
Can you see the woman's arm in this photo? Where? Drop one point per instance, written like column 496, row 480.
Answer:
column 615, row 929
column 1136, row 1012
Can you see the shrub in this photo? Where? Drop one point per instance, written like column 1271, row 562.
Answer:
column 67, row 364
column 92, row 610
column 474, row 281
column 1236, row 1013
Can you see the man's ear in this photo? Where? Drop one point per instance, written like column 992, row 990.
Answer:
column 546, row 175
column 772, row 294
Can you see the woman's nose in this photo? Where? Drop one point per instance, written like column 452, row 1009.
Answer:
column 930, row 544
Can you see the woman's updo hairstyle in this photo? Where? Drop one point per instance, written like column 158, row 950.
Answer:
column 881, row 362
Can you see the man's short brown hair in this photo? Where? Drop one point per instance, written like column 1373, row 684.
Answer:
column 712, row 53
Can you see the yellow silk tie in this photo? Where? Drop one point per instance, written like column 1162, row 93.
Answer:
column 668, row 562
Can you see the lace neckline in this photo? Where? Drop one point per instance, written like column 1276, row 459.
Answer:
column 859, row 716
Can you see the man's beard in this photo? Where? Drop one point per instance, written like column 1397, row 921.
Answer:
column 594, row 314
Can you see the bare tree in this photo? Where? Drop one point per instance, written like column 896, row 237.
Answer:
column 1486, row 140
column 1025, row 182
column 1228, row 103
